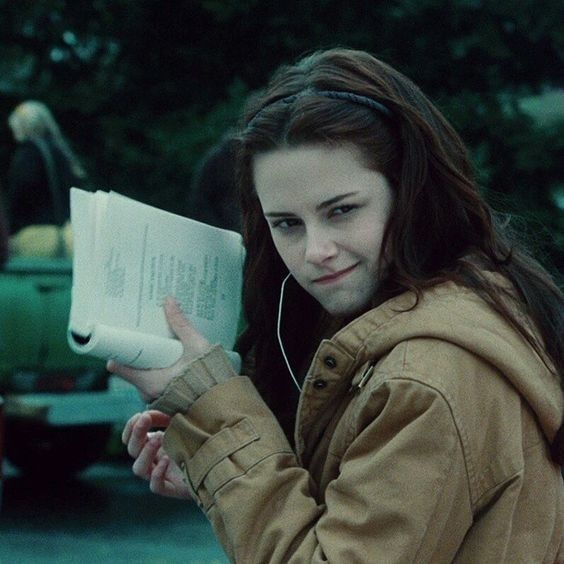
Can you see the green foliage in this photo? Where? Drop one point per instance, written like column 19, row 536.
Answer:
column 143, row 87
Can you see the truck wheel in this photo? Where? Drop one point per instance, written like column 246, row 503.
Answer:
column 40, row 450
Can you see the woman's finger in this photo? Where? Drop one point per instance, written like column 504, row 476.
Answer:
column 157, row 483
column 158, row 418
column 132, row 375
column 149, row 382
column 181, row 327
column 126, row 433
column 192, row 340
column 138, row 436
column 144, row 463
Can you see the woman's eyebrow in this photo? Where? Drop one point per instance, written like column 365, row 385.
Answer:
column 319, row 207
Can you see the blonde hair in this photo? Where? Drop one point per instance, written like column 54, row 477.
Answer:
column 32, row 120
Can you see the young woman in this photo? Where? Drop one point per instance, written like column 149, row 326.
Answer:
column 402, row 398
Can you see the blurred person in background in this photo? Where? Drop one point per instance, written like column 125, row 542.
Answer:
column 42, row 171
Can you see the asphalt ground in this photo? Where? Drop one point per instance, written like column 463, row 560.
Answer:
column 104, row 515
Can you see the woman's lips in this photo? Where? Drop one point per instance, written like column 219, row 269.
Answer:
column 334, row 276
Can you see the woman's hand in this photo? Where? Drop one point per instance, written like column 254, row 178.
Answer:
column 151, row 462
column 151, row 383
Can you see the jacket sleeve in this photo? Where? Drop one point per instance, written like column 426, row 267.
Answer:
column 401, row 494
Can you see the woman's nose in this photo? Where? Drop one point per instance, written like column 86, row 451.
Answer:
column 319, row 247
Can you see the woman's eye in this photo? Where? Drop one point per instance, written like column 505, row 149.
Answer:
column 285, row 223
column 342, row 210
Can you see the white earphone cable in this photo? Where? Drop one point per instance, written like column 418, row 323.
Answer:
column 278, row 325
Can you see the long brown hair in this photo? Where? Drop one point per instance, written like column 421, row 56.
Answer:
column 440, row 228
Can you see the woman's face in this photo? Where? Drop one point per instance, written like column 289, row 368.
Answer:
column 327, row 213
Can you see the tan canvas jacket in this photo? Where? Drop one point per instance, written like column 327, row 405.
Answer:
column 422, row 436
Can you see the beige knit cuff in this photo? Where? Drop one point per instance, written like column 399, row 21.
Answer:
column 202, row 374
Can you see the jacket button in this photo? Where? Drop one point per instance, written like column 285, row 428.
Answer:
column 330, row 362
column 319, row 384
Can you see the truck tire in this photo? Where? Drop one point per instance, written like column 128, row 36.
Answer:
column 45, row 451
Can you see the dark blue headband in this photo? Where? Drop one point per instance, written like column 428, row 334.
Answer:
column 334, row 95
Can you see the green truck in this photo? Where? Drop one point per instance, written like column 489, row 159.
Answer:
column 60, row 408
